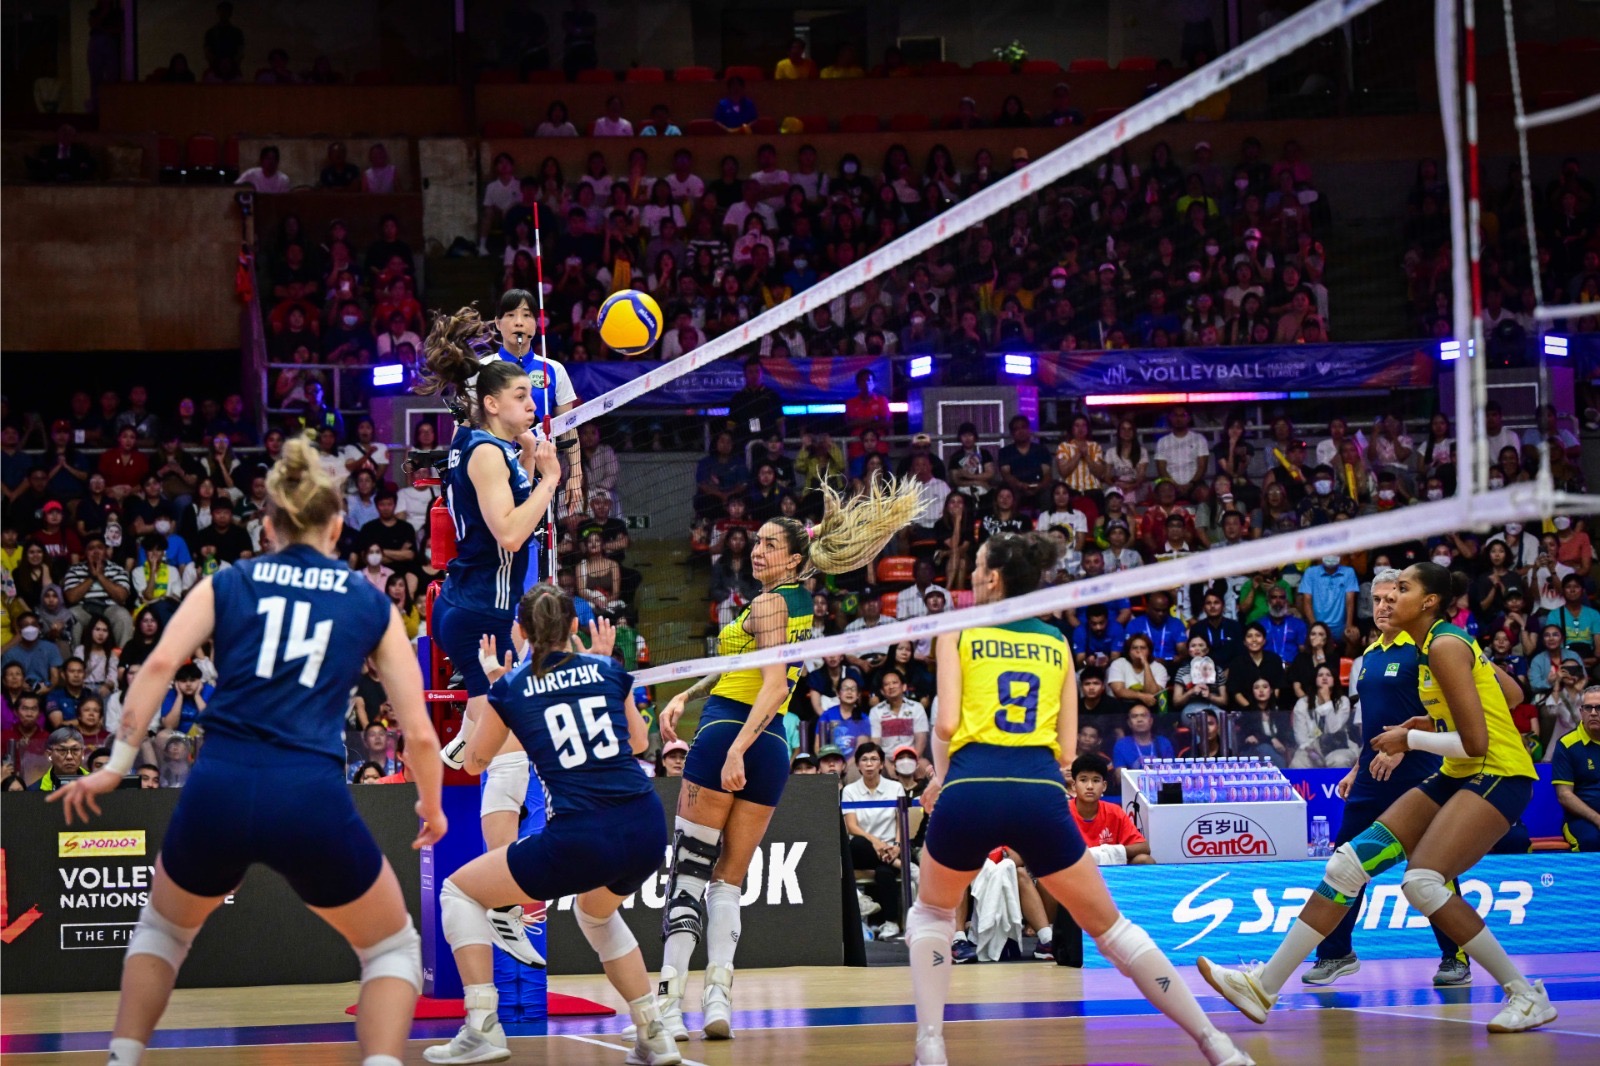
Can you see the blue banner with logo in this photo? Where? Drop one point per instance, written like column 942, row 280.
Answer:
column 1317, row 787
column 1534, row 903
column 1301, row 368
column 795, row 380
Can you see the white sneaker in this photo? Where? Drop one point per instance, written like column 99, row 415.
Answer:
column 669, row 1007
column 930, row 1047
column 654, row 1048
column 1240, row 986
column 1524, row 1011
column 454, row 753
column 512, row 935
column 717, row 1003
column 888, row 931
column 868, row 905
column 1219, row 1050
column 473, row 1045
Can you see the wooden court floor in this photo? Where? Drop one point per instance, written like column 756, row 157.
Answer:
column 1018, row 1014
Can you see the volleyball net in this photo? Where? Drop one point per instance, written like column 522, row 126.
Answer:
column 947, row 300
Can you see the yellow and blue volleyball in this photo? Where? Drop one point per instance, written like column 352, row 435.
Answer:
column 630, row 322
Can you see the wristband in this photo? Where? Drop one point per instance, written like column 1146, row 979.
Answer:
column 1448, row 744
column 488, row 663
column 122, row 756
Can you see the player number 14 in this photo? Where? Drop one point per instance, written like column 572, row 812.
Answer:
column 306, row 641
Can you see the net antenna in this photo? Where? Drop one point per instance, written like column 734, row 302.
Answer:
column 1524, row 123
column 544, row 355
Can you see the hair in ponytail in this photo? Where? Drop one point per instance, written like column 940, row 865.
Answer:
column 546, row 615
column 451, row 364
column 301, row 498
column 1021, row 559
column 852, row 532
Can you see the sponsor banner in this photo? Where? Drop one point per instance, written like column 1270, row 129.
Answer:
column 791, row 906
column 81, row 892
column 1317, row 787
column 831, row 380
column 1533, row 903
column 1215, row 832
column 1388, row 365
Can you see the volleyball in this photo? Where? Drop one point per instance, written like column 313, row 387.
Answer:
column 630, row 322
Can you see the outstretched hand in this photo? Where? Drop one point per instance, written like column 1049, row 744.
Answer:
column 493, row 668
column 78, row 798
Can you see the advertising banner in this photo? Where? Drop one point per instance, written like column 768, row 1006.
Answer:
column 72, row 897
column 796, row 381
column 1311, row 367
column 1533, row 903
column 1215, row 832
column 790, row 913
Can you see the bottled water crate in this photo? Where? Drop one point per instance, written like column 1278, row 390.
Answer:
column 1233, row 810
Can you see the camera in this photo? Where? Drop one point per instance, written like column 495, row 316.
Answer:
column 246, row 199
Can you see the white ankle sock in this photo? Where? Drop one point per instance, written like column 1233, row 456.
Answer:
column 1486, row 951
column 1301, row 941
column 929, row 933
column 722, row 922
column 124, row 1051
column 1046, row 936
column 482, row 1003
column 381, row 1060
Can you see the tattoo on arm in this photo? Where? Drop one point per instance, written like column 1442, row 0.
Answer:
column 702, row 688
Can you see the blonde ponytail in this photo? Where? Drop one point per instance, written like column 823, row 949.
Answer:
column 853, row 532
column 301, row 498
column 546, row 615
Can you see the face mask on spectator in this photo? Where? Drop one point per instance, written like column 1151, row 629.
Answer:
column 1386, row 494
column 1213, row 249
column 917, row 320
column 905, row 766
column 1563, row 524
column 1330, row 560
column 1252, row 245
column 1241, row 183
column 1436, row 494
column 30, row 633
column 375, row 559
column 1498, row 483
column 1194, row 277
column 850, row 168
column 800, row 264
column 1324, row 486
column 163, row 526
column 351, row 321
column 1058, row 283
column 1442, row 560
column 1513, row 529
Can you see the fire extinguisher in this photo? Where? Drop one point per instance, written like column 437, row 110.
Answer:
column 441, row 534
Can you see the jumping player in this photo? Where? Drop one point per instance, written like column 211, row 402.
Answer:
column 496, row 509
column 1388, row 685
column 575, row 716
column 1442, row 826
column 292, row 631
column 1006, row 730
column 739, row 761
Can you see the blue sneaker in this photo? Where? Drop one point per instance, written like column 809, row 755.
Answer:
column 963, row 951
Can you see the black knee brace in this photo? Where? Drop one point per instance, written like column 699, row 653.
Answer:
column 692, row 859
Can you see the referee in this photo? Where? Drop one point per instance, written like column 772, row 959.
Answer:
column 1388, row 688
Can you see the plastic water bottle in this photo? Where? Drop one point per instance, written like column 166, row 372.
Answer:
column 1320, row 840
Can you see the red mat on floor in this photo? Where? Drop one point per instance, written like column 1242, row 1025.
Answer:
column 560, row 1007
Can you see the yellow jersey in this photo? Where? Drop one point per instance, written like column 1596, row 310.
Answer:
column 1507, row 756
column 743, row 685
column 1011, row 678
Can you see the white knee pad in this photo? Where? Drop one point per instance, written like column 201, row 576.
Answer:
column 166, row 940
column 1344, row 872
column 398, row 956
column 1425, row 890
column 930, row 923
column 610, row 937
column 505, row 784
column 463, row 918
column 1123, row 943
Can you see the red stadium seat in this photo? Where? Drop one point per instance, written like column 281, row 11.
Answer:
column 890, row 601
column 546, row 77
column 859, row 124
column 651, row 75
column 503, row 129
column 991, row 66
column 167, row 152
column 962, row 598
column 370, row 77
column 909, row 123
column 1137, row 63
column 201, row 151
column 596, row 77
column 702, row 127
column 1087, row 66
column 1040, row 66
column 940, row 68
column 1550, row 844
column 896, row 570
column 815, row 123
column 748, row 73
column 694, row 74
column 230, row 152
column 500, row 77
column 766, row 127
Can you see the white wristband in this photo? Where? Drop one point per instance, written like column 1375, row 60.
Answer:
column 122, row 756
column 486, row 661
column 1448, row 744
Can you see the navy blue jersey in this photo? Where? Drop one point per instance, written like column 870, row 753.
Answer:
column 574, row 724
column 483, row 577
column 1387, row 686
column 293, row 630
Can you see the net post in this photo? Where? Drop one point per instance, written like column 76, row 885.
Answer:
column 544, row 356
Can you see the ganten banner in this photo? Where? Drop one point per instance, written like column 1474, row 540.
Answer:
column 1534, row 903
column 1307, row 368
column 795, row 380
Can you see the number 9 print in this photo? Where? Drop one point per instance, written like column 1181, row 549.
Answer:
column 1028, row 702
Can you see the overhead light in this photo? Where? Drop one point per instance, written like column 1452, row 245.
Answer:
column 921, row 366
column 388, row 374
column 1555, row 345
column 1018, row 365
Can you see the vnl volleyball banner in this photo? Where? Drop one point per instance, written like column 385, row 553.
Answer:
column 1301, row 368
column 1229, row 911
column 796, row 381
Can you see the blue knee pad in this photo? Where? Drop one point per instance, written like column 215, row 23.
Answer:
column 1373, row 851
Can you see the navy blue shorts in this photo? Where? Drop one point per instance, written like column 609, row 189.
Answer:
column 615, row 848
column 1508, row 795
column 1010, row 797
column 766, row 764
column 458, row 632
column 250, row 803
